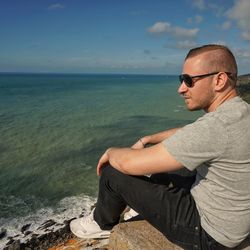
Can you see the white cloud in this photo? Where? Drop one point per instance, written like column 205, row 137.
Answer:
column 56, row 6
column 179, row 32
column 226, row 25
column 182, row 38
column 240, row 12
column 200, row 4
column 196, row 19
column 246, row 35
column 220, row 42
column 243, row 59
column 175, row 31
column 159, row 28
column 217, row 9
column 242, row 53
column 186, row 44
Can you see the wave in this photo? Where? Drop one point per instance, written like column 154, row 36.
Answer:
column 45, row 219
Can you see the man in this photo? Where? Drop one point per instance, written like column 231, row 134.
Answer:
column 215, row 212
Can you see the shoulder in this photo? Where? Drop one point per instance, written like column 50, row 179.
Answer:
column 231, row 112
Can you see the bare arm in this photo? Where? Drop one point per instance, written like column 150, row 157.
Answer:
column 155, row 159
column 154, row 139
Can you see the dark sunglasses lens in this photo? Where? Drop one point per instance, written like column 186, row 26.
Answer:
column 187, row 80
column 181, row 78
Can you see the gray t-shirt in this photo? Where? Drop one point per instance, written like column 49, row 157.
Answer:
column 217, row 145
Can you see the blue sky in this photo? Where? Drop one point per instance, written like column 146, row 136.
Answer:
column 117, row 36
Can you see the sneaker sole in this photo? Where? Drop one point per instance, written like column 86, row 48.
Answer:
column 99, row 235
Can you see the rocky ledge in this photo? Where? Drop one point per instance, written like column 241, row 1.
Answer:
column 133, row 235
column 243, row 87
column 139, row 235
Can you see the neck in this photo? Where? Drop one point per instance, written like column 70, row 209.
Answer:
column 221, row 99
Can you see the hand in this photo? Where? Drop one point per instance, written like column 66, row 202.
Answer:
column 104, row 160
column 139, row 144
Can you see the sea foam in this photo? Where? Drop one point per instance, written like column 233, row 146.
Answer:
column 68, row 208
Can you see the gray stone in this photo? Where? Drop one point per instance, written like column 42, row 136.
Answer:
column 139, row 235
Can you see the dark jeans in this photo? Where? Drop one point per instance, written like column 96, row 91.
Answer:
column 164, row 200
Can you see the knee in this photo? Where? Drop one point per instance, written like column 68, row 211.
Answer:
column 110, row 177
column 108, row 172
column 105, row 171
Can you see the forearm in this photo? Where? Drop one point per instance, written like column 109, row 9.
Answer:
column 158, row 137
column 118, row 157
column 138, row 160
column 149, row 160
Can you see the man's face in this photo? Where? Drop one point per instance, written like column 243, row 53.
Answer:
column 201, row 95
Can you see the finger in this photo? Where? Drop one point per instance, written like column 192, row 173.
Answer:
column 102, row 161
column 137, row 145
column 98, row 169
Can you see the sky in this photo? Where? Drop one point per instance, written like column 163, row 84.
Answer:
column 118, row 36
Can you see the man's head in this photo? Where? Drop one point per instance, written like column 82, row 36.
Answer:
column 215, row 71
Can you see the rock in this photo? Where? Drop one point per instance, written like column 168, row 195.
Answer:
column 82, row 244
column 27, row 233
column 14, row 246
column 133, row 235
column 3, row 233
column 47, row 224
column 243, row 87
column 139, row 235
column 44, row 241
column 243, row 79
column 25, row 228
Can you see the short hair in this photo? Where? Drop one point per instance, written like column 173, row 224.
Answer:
column 221, row 58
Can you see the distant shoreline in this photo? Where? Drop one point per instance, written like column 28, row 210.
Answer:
column 81, row 74
column 241, row 78
column 243, row 87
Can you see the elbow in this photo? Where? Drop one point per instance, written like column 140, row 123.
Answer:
column 123, row 165
column 129, row 167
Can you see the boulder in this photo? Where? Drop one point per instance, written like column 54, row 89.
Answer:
column 139, row 235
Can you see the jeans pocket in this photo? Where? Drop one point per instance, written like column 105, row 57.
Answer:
column 186, row 237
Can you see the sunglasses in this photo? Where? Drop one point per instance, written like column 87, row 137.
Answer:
column 188, row 80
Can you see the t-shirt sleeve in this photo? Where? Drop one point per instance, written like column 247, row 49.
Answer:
column 202, row 141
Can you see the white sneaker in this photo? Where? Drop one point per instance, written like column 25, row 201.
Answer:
column 130, row 214
column 87, row 228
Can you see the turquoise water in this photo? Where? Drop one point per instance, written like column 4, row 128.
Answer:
column 53, row 129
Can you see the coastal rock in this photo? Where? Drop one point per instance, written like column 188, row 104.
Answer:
column 243, row 87
column 81, row 244
column 139, row 235
column 133, row 235
column 25, row 228
column 47, row 224
column 3, row 233
column 44, row 241
column 243, row 79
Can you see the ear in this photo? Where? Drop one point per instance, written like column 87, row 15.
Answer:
column 221, row 81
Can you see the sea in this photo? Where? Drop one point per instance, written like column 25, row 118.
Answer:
column 54, row 128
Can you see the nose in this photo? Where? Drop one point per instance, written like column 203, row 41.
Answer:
column 183, row 88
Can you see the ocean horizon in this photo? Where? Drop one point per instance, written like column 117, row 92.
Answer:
column 54, row 127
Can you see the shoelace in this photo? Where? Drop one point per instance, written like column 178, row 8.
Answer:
column 86, row 221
